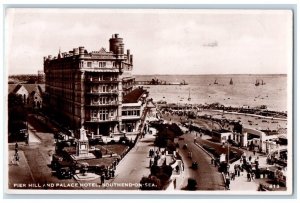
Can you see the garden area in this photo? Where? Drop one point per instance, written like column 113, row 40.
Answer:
column 159, row 177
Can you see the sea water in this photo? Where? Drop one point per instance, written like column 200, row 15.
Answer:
column 202, row 90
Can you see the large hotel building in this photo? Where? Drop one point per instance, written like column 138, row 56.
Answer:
column 94, row 90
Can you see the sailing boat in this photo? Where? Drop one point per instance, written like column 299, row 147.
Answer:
column 262, row 82
column 189, row 98
column 257, row 83
column 231, row 82
column 215, row 82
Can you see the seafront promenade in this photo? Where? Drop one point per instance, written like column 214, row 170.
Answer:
column 135, row 164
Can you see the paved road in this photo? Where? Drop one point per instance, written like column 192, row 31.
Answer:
column 33, row 171
column 134, row 166
column 207, row 176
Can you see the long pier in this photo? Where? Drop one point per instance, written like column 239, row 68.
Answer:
column 159, row 83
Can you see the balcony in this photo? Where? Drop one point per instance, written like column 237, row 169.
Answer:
column 113, row 92
column 98, row 120
column 132, row 117
column 105, row 81
column 98, row 104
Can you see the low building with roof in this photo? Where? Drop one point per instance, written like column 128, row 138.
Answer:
column 133, row 106
column 221, row 135
column 32, row 94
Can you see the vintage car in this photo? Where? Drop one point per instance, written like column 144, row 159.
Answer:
column 64, row 173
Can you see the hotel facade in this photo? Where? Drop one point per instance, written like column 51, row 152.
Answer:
column 94, row 90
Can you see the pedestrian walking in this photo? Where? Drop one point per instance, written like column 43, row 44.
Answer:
column 248, row 177
column 232, row 176
column 235, row 169
column 16, row 146
column 212, row 161
column 250, row 158
column 150, row 163
column 174, row 182
column 252, row 175
column 238, row 172
column 177, row 168
column 17, row 158
column 113, row 173
column 102, row 178
column 254, row 152
column 227, row 183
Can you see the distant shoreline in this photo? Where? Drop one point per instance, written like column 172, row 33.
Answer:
column 257, row 74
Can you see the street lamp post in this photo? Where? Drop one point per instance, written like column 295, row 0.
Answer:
column 227, row 152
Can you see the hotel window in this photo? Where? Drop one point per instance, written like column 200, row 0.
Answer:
column 89, row 64
column 104, row 88
column 103, row 114
column 95, row 100
column 95, row 88
column 94, row 114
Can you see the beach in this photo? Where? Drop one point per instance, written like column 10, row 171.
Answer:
column 201, row 89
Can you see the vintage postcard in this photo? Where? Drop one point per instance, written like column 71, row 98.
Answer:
column 149, row 101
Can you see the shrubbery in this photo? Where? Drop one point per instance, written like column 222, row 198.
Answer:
column 192, row 184
column 150, row 183
column 163, row 173
column 166, row 134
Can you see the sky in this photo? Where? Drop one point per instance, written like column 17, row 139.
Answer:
column 161, row 41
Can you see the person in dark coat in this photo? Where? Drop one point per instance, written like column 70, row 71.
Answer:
column 249, row 177
column 227, row 183
column 177, row 169
column 113, row 173
column 102, row 178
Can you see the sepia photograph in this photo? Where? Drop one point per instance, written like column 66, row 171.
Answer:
column 148, row 101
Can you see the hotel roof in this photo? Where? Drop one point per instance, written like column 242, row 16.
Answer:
column 134, row 96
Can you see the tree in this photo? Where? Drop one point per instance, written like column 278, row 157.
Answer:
column 17, row 117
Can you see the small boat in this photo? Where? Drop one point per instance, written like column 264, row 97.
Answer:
column 189, row 98
column 257, row 83
column 231, row 82
column 216, row 82
column 262, row 82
